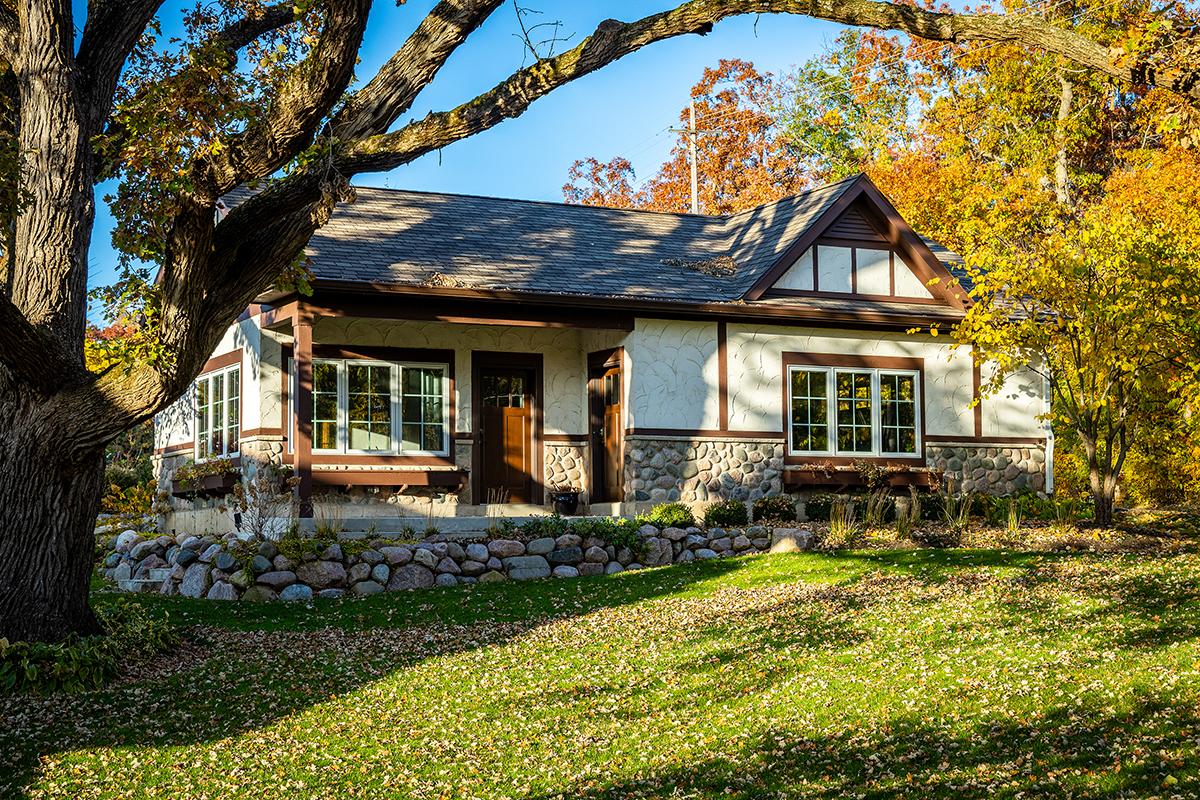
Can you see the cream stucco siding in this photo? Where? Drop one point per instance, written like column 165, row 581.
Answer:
column 1014, row 410
column 756, row 372
column 564, row 362
column 673, row 376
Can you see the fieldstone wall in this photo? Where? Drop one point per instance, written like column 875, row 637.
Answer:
column 991, row 469
column 234, row 567
column 692, row 470
column 566, row 464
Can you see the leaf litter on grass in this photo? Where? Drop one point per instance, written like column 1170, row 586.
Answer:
column 1044, row 677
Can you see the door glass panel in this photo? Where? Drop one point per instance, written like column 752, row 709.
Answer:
column 504, row 391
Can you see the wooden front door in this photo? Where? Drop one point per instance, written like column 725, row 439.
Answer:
column 606, row 433
column 506, row 435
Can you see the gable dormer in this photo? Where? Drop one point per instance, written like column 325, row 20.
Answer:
column 860, row 248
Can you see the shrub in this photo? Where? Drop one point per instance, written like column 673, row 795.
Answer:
column 615, row 531
column 726, row 514
column 84, row 662
column 551, row 525
column 842, row 531
column 672, row 515
column 778, row 507
column 818, row 506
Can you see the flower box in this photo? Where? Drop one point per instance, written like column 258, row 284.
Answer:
column 840, row 478
column 217, row 485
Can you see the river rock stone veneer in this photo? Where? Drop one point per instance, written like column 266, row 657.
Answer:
column 233, row 568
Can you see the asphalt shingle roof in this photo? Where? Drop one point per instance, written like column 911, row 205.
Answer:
column 400, row 237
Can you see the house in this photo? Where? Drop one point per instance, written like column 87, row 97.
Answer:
column 459, row 352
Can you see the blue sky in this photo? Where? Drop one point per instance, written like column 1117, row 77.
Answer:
column 620, row 110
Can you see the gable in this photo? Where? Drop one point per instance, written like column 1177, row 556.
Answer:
column 860, row 248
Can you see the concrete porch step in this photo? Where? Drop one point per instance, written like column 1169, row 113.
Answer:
column 146, row 585
column 160, row 574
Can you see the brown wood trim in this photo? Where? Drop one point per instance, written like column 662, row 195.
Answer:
column 805, row 463
column 567, row 305
column 566, row 437
column 337, row 459
column 850, row 361
column 806, row 240
column 849, row 480
column 722, row 376
column 707, row 434
column 175, row 449
column 339, row 477
column 302, row 354
column 262, row 432
column 252, row 310
column 875, row 298
column 977, row 395
column 220, row 362
column 279, row 314
column 425, row 307
column 606, row 358
column 480, row 360
column 981, row 441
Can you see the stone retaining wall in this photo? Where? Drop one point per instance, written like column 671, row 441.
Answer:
column 232, row 568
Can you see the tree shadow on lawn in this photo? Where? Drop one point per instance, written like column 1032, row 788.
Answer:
column 1069, row 752
column 239, row 687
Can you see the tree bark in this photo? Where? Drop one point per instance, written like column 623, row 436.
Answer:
column 49, row 498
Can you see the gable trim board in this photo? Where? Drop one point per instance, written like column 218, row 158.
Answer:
column 866, row 201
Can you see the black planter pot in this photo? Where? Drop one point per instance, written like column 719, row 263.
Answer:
column 565, row 503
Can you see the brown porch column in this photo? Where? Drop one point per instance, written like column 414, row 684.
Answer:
column 302, row 354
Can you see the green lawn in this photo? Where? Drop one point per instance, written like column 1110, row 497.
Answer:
column 870, row 675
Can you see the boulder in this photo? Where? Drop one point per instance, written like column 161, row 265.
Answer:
column 177, row 573
column 694, row 541
column 454, row 550
column 521, row 568
column 126, row 540
column 225, row 561
column 359, row 572
column 756, row 532
column 724, row 543
column 195, row 581
column 268, row 550
column 592, row 541
column 761, row 544
column 477, row 552
column 331, row 594
column 123, row 572
column 321, row 574
column 282, row 563
column 259, row 594
column 492, row 576
column 647, row 530
column 297, row 591
column 595, row 555
column 371, row 557
column 260, row 564
column 332, row 553
column 685, row 556
column 472, row 568
column 365, row 588
column 802, row 537
column 569, row 555
column 447, row 567
column 495, row 564
column 113, row 559
column 210, row 553
column 242, row 579
column 565, row 572
column 658, row 553
column 591, row 568
column 221, row 590
column 613, row 568
column 624, row 557
column 705, row 554
column 410, row 576
column 787, row 545
column 567, row 540
column 277, row 580
column 741, row 543
column 439, row 549
column 186, row 557
column 540, row 547
column 192, row 543
column 145, row 548
column 380, row 573
column 675, row 534
column 505, row 548
column 424, row 558
column 445, row 579
column 396, row 556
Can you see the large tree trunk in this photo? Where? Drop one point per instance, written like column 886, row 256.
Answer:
column 1103, row 484
column 48, row 507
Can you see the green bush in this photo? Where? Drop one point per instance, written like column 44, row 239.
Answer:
column 615, row 531
column 778, row 507
column 553, row 525
column 80, row 663
column 672, row 515
column 817, row 506
column 931, row 507
column 726, row 514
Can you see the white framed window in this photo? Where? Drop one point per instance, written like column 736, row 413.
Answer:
column 218, row 415
column 363, row 407
column 853, row 411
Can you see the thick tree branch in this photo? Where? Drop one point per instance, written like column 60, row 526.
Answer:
column 110, row 33
column 306, row 97
column 391, row 92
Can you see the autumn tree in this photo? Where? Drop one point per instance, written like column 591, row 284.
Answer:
column 256, row 92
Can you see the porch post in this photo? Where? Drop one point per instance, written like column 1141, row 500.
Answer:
column 302, row 354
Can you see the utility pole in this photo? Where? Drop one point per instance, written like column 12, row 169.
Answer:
column 693, row 136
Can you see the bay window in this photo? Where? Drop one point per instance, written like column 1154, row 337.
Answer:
column 218, row 413
column 379, row 408
column 853, row 411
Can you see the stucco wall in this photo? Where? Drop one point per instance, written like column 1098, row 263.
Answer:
column 673, row 375
column 1013, row 411
column 564, row 361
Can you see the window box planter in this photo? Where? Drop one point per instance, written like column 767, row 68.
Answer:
column 840, row 478
column 217, row 485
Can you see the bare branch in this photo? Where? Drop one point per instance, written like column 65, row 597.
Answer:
column 391, row 92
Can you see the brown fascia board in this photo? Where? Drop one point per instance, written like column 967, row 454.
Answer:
column 884, row 216
column 350, row 298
